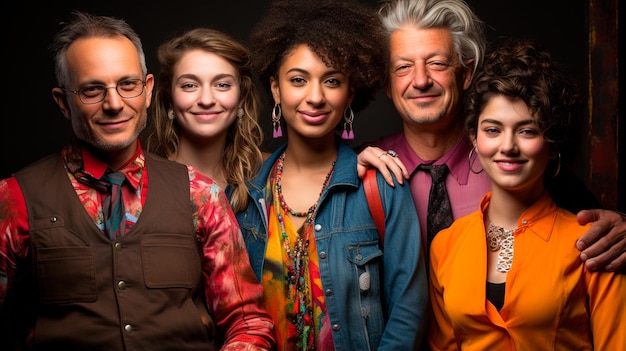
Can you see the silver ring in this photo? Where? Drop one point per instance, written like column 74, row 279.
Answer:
column 392, row 153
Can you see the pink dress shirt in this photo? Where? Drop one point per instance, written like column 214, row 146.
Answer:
column 465, row 188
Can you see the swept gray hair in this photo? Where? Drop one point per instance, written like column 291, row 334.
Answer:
column 466, row 28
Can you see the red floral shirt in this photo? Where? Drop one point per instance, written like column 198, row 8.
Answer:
column 234, row 296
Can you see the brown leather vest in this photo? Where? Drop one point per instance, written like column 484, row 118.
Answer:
column 84, row 291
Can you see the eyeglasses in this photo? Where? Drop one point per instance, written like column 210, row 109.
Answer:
column 93, row 94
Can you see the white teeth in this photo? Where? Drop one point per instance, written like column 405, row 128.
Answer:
column 507, row 163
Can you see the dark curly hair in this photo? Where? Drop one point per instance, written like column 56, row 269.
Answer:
column 346, row 35
column 521, row 69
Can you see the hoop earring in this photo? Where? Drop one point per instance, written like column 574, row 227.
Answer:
column 277, row 131
column 558, row 166
column 348, row 117
column 170, row 114
column 471, row 162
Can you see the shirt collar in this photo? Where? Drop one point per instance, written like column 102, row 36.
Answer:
column 456, row 158
column 538, row 218
column 92, row 165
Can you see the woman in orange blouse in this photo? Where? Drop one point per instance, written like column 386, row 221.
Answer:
column 507, row 277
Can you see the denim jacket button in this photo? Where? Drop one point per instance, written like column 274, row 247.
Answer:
column 318, row 227
column 323, row 255
column 336, row 327
column 328, row 292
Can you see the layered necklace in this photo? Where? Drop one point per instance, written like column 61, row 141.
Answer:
column 296, row 262
column 501, row 239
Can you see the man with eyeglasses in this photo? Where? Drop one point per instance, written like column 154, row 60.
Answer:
column 107, row 247
column 93, row 94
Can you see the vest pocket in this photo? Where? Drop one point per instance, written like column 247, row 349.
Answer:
column 60, row 268
column 170, row 261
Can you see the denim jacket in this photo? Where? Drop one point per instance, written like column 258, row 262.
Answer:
column 386, row 311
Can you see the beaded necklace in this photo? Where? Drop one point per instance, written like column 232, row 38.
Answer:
column 279, row 189
column 296, row 263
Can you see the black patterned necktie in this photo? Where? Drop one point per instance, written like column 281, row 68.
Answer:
column 113, row 205
column 439, row 211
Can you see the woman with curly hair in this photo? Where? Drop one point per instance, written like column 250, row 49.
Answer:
column 507, row 277
column 205, row 109
column 329, row 281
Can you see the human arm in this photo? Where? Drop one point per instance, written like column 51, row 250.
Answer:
column 405, row 284
column 604, row 243
column 13, row 233
column 388, row 166
column 442, row 337
column 234, row 295
column 607, row 310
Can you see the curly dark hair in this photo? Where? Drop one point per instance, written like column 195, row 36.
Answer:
column 346, row 35
column 521, row 69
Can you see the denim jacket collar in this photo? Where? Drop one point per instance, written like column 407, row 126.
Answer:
column 346, row 176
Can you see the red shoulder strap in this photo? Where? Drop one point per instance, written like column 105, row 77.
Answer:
column 373, row 200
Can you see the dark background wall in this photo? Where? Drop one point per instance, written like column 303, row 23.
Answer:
column 32, row 126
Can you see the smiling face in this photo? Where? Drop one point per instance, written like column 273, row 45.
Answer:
column 511, row 148
column 312, row 95
column 426, row 78
column 205, row 94
column 114, row 123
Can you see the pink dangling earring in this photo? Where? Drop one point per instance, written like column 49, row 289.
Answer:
column 277, row 131
column 348, row 117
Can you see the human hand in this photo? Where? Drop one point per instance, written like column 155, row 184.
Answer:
column 604, row 243
column 387, row 163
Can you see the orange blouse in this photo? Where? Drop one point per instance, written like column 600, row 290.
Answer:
column 551, row 302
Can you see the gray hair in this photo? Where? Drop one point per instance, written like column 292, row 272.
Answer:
column 466, row 28
column 85, row 25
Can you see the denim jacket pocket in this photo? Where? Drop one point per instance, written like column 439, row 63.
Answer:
column 366, row 259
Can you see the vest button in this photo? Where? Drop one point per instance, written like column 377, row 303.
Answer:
column 121, row 285
column 128, row 328
column 53, row 219
column 118, row 246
